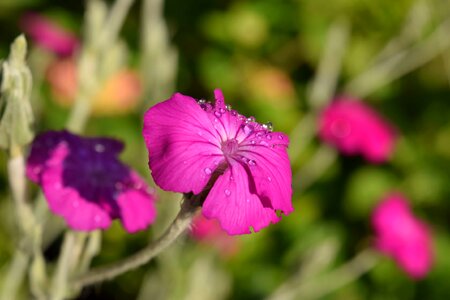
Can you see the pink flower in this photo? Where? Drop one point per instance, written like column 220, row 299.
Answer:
column 85, row 183
column 355, row 128
column 403, row 237
column 194, row 146
column 49, row 35
column 209, row 232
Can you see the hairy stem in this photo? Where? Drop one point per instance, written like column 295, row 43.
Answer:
column 15, row 275
column 178, row 226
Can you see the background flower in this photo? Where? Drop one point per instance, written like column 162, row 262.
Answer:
column 48, row 34
column 402, row 236
column 85, row 183
column 355, row 128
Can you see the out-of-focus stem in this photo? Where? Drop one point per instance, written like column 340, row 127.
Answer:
column 159, row 58
column 324, row 84
column 400, row 64
column 315, row 288
column 178, row 226
column 59, row 287
column 15, row 275
column 322, row 159
column 115, row 21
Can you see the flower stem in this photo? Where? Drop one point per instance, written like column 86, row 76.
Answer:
column 316, row 288
column 15, row 275
column 181, row 222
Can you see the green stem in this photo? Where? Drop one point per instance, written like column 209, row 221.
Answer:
column 178, row 226
column 15, row 275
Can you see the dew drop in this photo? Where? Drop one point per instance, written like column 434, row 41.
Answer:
column 280, row 137
column 264, row 143
column 233, row 113
column 222, row 110
column 201, row 101
column 269, row 136
column 248, row 129
column 227, row 192
column 251, row 162
column 99, row 148
column 217, row 114
column 268, row 126
column 251, row 119
column 228, row 107
column 269, row 178
column 252, row 142
column 207, row 171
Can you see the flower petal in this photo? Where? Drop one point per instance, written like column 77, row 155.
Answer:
column 231, row 202
column 137, row 208
column 66, row 201
column 271, row 171
column 183, row 148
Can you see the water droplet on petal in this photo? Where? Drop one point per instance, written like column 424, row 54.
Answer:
column 99, row 148
column 227, row 192
column 248, row 128
column 207, row 171
column 234, row 113
column 252, row 142
column 251, row 162
column 222, row 110
column 280, row 137
column 201, row 101
column 269, row 178
column 217, row 114
column 268, row 126
column 228, row 107
column 251, row 119
column 264, row 143
column 269, row 136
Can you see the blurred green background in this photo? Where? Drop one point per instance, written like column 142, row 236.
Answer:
column 265, row 55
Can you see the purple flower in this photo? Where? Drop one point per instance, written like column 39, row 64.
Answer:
column 85, row 183
column 49, row 35
column 402, row 236
column 355, row 128
column 193, row 144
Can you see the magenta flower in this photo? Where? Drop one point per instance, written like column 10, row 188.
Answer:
column 209, row 232
column 192, row 143
column 85, row 183
column 49, row 35
column 402, row 236
column 355, row 128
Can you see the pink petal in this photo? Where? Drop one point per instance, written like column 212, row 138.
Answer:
column 137, row 208
column 49, row 35
column 66, row 202
column 183, row 148
column 270, row 171
column 237, row 209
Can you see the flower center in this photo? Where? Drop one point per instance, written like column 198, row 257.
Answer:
column 229, row 147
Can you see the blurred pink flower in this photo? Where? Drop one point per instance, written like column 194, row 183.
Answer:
column 193, row 145
column 402, row 236
column 48, row 34
column 117, row 95
column 355, row 128
column 209, row 232
column 85, row 183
